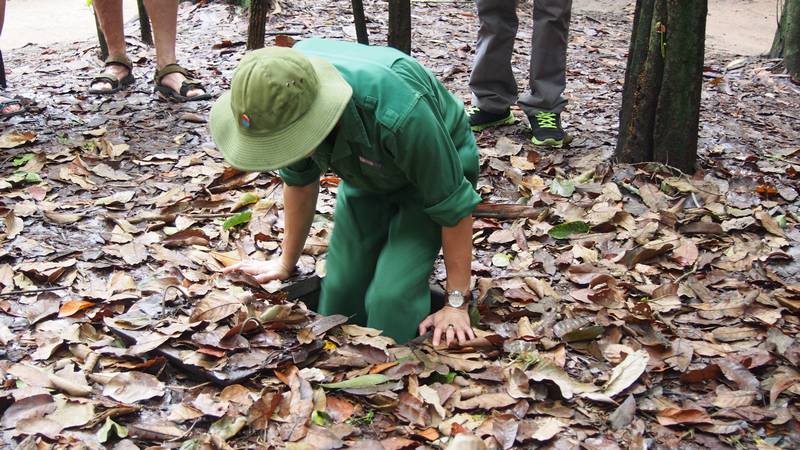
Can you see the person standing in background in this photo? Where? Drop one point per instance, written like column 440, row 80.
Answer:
column 492, row 82
column 8, row 106
column 172, row 81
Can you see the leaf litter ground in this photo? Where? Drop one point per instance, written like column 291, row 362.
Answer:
column 640, row 307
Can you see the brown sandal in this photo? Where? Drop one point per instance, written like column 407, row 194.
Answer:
column 23, row 106
column 187, row 85
column 116, row 84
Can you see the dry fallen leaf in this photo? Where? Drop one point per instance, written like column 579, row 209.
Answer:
column 14, row 139
column 72, row 307
column 681, row 416
column 539, row 429
column 132, row 387
column 622, row 376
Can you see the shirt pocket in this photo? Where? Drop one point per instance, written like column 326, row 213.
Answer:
column 379, row 172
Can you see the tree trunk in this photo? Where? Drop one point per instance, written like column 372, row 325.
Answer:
column 786, row 44
column 2, row 72
column 661, row 101
column 400, row 25
column 101, row 38
column 144, row 24
column 360, row 21
column 258, row 23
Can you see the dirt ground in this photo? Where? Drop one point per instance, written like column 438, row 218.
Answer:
column 46, row 22
column 743, row 27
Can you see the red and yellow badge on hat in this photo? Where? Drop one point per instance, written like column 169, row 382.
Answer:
column 245, row 120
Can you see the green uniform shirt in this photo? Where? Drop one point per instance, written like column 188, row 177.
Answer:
column 402, row 131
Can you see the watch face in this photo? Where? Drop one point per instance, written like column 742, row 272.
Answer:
column 455, row 299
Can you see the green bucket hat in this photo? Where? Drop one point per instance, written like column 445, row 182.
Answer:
column 281, row 105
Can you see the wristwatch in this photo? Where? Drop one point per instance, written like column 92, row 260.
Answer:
column 455, row 299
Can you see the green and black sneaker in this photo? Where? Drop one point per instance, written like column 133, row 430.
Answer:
column 480, row 120
column 547, row 131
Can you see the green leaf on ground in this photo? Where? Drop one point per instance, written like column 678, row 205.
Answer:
column 321, row 418
column 22, row 160
column 113, row 428
column 227, row 427
column 359, row 382
column 247, row 199
column 25, row 177
column 564, row 188
column 502, row 259
column 238, row 219
column 437, row 377
column 366, row 419
column 565, row 230
column 474, row 316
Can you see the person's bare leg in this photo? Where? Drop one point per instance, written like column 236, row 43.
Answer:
column 109, row 14
column 164, row 16
column 10, row 109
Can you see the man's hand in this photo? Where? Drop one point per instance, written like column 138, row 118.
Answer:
column 450, row 321
column 262, row 271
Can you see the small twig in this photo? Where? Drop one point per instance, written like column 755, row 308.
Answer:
column 253, row 319
column 188, row 388
column 177, row 438
column 781, row 158
column 207, row 215
column 32, row 291
column 657, row 242
column 286, row 33
column 164, row 297
column 687, row 274
column 508, row 211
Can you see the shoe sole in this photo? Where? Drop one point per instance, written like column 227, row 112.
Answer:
column 556, row 143
column 509, row 120
column 550, row 142
column 177, row 98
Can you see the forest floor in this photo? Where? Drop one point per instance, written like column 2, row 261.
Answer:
column 664, row 314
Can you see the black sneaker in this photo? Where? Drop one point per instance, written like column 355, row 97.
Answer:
column 480, row 120
column 546, row 127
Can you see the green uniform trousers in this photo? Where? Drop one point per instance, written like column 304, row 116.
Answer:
column 380, row 257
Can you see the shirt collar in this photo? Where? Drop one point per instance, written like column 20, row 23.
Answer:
column 351, row 131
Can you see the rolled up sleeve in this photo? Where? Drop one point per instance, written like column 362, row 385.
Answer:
column 424, row 151
column 301, row 173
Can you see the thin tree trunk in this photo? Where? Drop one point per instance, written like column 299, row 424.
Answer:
column 786, row 44
column 642, row 83
column 776, row 51
column 2, row 72
column 508, row 211
column 678, row 112
column 258, row 23
column 101, row 38
column 144, row 24
column 400, row 25
column 360, row 22
column 661, row 100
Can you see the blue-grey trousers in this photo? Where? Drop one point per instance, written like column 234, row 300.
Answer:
column 492, row 82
